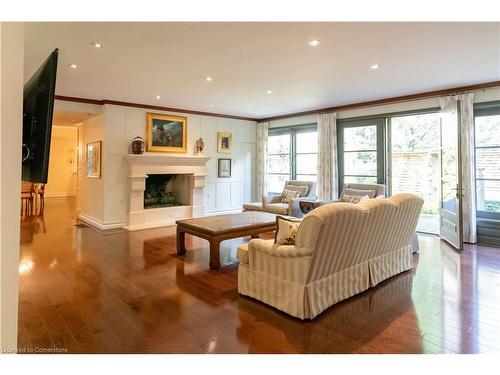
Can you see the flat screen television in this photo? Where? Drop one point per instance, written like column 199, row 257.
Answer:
column 38, row 106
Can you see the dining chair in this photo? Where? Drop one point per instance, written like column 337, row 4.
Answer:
column 27, row 197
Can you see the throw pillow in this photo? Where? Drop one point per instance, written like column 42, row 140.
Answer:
column 354, row 198
column 350, row 191
column 288, row 194
column 303, row 190
column 286, row 230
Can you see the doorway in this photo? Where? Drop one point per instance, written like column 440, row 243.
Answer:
column 63, row 163
column 414, row 163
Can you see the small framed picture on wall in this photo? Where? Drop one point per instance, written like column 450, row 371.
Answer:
column 224, row 167
column 225, row 142
column 94, row 150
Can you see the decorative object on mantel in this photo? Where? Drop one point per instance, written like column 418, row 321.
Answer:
column 94, row 151
column 224, row 167
column 138, row 146
column 166, row 133
column 200, row 145
column 224, row 142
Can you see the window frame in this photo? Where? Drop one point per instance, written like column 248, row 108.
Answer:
column 379, row 122
column 292, row 131
column 485, row 110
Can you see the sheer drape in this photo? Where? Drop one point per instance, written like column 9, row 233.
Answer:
column 261, row 167
column 327, row 156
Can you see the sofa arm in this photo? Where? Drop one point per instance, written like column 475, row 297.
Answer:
column 268, row 199
column 294, row 206
column 285, row 262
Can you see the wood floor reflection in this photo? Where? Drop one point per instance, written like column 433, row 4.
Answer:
column 89, row 292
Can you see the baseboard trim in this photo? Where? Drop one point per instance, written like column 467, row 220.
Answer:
column 59, row 195
column 222, row 212
column 96, row 223
column 133, row 228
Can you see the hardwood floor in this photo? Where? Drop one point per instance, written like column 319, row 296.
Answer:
column 82, row 291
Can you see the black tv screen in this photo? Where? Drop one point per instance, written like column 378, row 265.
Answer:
column 38, row 106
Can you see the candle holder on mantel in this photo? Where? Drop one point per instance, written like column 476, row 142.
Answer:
column 138, row 146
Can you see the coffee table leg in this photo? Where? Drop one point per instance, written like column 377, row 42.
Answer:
column 214, row 254
column 181, row 246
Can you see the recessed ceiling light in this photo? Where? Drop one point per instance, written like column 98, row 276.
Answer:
column 374, row 67
column 97, row 44
column 269, row 92
column 158, row 96
column 211, row 105
column 208, row 79
column 313, row 43
column 73, row 66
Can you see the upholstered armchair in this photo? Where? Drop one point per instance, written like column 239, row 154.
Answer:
column 273, row 204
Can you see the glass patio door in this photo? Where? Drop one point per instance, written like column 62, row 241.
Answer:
column 450, row 228
column 414, row 163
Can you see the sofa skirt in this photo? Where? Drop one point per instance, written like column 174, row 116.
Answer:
column 306, row 301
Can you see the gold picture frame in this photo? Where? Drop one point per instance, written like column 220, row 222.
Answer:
column 94, row 159
column 166, row 133
column 225, row 142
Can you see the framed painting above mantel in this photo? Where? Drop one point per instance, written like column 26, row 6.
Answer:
column 166, row 133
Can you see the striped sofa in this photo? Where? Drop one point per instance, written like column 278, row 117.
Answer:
column 341, row 250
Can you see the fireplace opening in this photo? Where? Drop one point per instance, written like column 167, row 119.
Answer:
column 167, row 190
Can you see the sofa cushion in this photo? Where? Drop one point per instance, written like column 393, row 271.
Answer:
column 349, row 191
column 253, row 206
column 286, row 230
column 242, row 253
column 277, row 208
column 288, row 195
column 303, row 190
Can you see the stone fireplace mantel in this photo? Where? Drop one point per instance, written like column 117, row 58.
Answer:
column 140, row 166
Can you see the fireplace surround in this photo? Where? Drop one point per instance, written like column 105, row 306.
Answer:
column 190, row 173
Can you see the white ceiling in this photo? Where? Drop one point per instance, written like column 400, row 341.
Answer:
column 142, row 60
column 69, row 118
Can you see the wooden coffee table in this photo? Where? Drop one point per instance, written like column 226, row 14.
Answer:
column 218, row 228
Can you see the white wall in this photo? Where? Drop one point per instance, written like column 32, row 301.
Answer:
column 479, row 97
column 106, row 200
column 11, row 105
column 61, row 180
column 123, row 124
column 91, row 190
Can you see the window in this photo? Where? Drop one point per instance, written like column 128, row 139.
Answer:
column 291, row 155
column 487, row 138
column 361, row 151
column 487, row 145
column 279, row 161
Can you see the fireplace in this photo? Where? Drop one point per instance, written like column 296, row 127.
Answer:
column 164, row 188
column 167, row 190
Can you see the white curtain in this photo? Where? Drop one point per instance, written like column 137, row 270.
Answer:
column 327, row 156
column 468, row 163
column 261, row 167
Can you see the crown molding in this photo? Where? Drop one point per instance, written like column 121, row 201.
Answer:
column 149, row 106
column 390, row 100
column 343, row 107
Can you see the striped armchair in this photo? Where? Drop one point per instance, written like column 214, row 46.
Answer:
column 341, row 250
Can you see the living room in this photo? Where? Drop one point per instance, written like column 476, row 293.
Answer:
column 251, row 187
